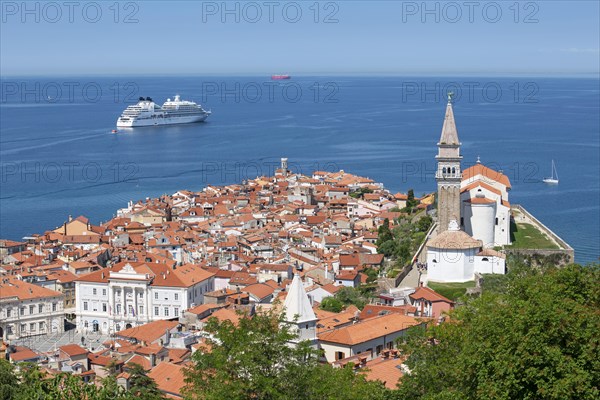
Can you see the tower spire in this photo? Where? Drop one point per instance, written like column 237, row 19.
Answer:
column 449, row 132
column 297, row 302
column 299, row 313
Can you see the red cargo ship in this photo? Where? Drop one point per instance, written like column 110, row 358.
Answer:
column 279, row 77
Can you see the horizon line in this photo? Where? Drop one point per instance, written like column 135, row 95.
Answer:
column 312, row 74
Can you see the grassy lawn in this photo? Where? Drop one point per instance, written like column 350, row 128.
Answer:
column 527, row 236
column 451, row 291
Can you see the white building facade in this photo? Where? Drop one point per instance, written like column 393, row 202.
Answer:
column 132, row 294
column 29, row 310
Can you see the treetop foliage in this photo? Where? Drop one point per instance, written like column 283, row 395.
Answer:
column 533, row 335
column 256, row 360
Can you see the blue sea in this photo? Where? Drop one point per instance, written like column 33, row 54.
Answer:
column 58, row 156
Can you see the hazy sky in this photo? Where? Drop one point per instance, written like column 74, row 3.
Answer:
column 303, row 37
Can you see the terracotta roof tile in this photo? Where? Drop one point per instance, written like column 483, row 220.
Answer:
column 12, row 287
column 149, row 332
column 429, row 295
column 480, row 169
column 73, row 350
column 454, row 240
column 369, row 329
column 169, row 378
column 386, row 370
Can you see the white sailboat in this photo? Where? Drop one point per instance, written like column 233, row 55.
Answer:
column 553, row 180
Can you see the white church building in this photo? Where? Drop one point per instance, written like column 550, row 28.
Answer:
column 473, row 214
column 485, row 211
column 455, row 256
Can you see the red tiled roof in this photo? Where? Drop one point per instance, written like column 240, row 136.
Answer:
column 429, row 295
column 139, row 360
column 169, row 378
column 23, row 353
column 260, row 290
column 73, row 350
column 369, row 329
column 480, row 169
column 385, row 370
column 480, row 200
column 374, row 310
column 12, row 287
column 149, row 332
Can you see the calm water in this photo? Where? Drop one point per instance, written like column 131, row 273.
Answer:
column 59, row 157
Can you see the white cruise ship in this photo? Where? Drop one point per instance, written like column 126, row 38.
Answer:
column 147, row 113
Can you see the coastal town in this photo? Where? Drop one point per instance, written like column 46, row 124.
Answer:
column 140, row 288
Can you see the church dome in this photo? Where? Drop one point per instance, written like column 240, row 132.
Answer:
column 454, row 238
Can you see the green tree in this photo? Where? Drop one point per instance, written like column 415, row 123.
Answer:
column 386, row 244
column 332, row 304
column 411, row 202
column 424, row 223
column 372, row 274
column 360, row 193
column 403, row 251
column 34, row 383
column 8, row 381
column 416, row 239
column 248, row 361
column 69, row 386
column 254, row 360
column 384, row 233
column 388, row 248
column 349, row 295
column 141, row 385
column 109, row 389
column 533, row 336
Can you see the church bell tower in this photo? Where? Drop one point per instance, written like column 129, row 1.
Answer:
column 448, row 174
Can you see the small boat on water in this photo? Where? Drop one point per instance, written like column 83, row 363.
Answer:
column 553, row 180
column 280, row 77
column 114, row 131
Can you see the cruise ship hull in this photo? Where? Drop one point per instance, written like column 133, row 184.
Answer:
column 160, row 120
